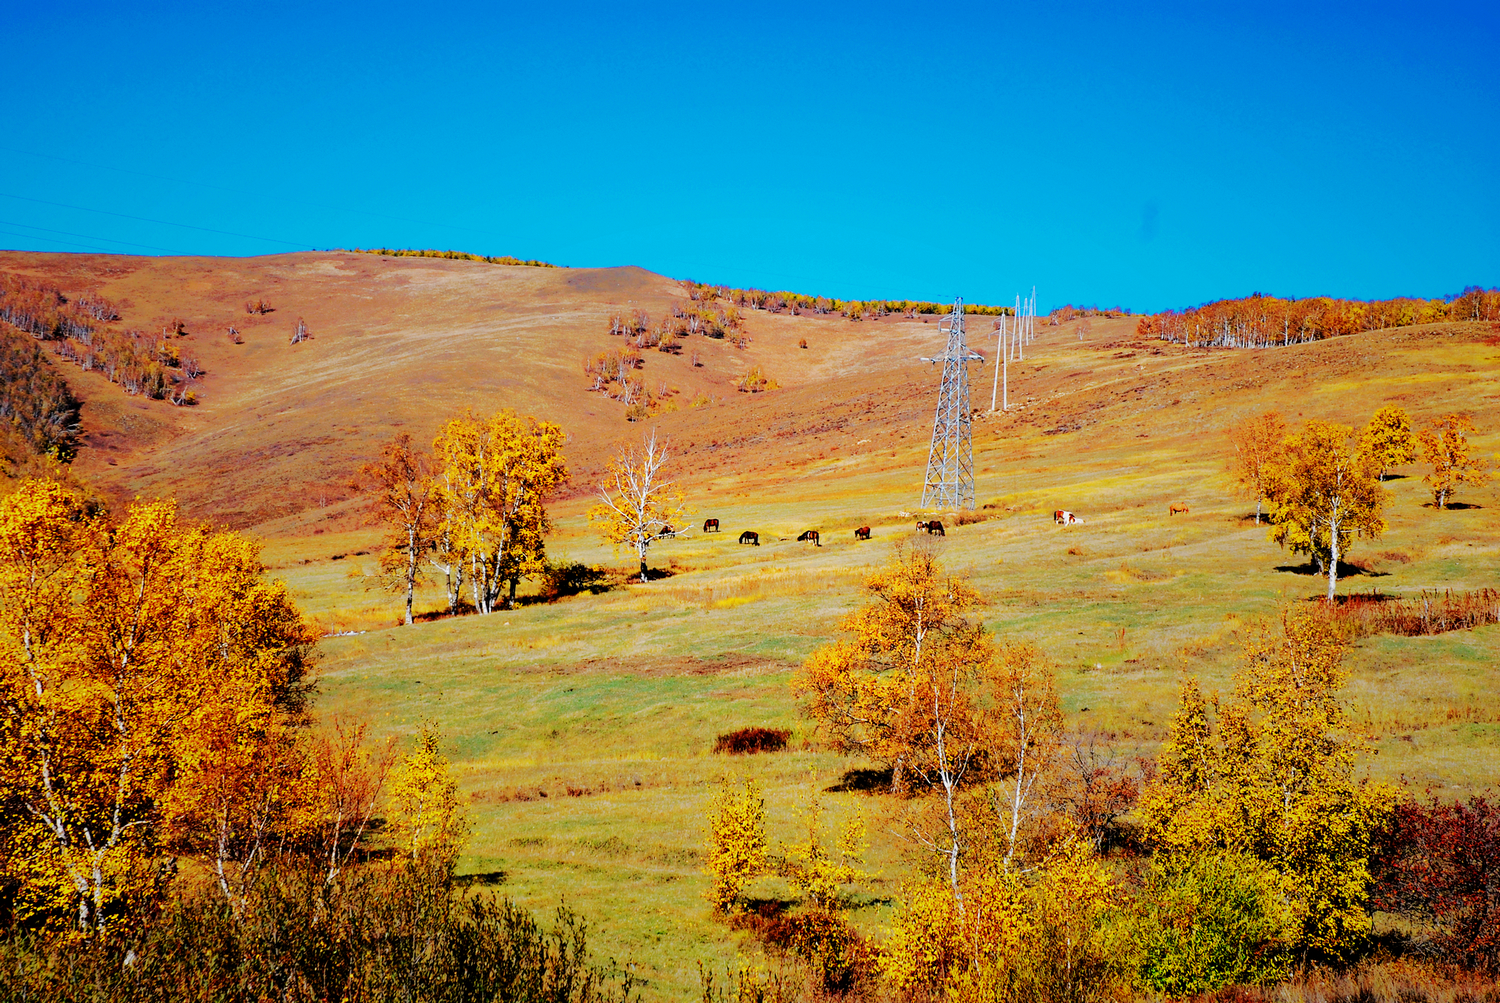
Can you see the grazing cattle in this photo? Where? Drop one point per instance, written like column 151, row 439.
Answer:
column 710, row 525
column 811, row 536
column 1176, row 507
column 1065, row 518
column 862, row 533
column 749, row 537
column 669, row 531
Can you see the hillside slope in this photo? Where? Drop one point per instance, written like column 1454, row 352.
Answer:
column 403, row 343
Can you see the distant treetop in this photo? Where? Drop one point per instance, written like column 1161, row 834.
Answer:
column 409, row 252
column 1261, row 321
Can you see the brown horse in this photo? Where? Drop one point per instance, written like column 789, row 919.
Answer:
column 862, row 533
column 811, row 536
column 750, row 537
column 932, row 526
column 710, row 525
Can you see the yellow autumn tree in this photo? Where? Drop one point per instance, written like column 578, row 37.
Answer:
column 494, row 476
column 1324, row 491
column 1446, row 447
column 736, row 841
column 1272, row 775
column 1257, row 444
column 430, row 821
column 403, row 496
column 819, row 871
column 1388, row 438
column 1042, row 934
column 137, row 659
column 916, row 685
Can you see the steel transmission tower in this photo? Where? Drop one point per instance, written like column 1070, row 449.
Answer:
column 950, row 460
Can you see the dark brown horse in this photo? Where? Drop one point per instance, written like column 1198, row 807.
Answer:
column 811, row 536
column 862, row 533
column 710, row 525
column 932, row 526
column 750, row 537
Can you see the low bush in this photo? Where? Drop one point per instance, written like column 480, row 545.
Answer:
column 379, row 934
column 1421, row 615
column 569, row 578
column 1440, row 864
column 1214, row 920
column 748, row 741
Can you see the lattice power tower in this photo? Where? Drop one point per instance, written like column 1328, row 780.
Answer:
column 950, row 460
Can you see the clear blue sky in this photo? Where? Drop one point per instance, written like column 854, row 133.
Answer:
column 1110, row 153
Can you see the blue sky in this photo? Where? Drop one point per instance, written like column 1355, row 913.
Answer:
column 1110, row 153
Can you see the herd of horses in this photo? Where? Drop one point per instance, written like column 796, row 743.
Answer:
column 932, row 527
column 751, row 537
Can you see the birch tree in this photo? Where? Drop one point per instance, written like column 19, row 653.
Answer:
column 1257, row 443
column 916, row 685
column 1388, row 438
column 403, row 495
column 637, row 504
column 122, row 647
column 1446, row 446
column 1324, row 492
column 493, row 480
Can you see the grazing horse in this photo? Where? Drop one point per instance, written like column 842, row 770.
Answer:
column 811, row 536
column 710, row 525
column 748, row 537
column 1063, row 517
column 1176, row 507
column 932, row 526
column 862, row 533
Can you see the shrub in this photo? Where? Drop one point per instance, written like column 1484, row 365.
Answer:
column 754, row 380
column 1441, row 862
column 748, row 741
column 838, row 958
column 569, row 578
column 1420, row 615
column 1214, row 920
column 1052, row 933
column 378, row 934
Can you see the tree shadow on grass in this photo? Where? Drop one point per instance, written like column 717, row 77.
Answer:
column 863, row 781
column 1345, row 570
column 1460, row 506
column 484, row 878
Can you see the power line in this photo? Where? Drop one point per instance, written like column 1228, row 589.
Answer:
column 88, row 236
column 242, row 191
column 54, row 240
column 162, row 222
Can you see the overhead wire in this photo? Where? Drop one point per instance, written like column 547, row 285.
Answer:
column 54, row 240
column 161, row 222
column 87, row 236
column 254, row 194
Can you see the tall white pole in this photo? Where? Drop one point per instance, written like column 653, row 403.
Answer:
column 1020, row 341
column 1005, row 378
column 999, row 343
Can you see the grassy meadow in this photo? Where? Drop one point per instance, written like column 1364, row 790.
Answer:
column 581, row 730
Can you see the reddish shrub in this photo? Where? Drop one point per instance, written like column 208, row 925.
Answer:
column 1442, row 862
column 748, row 741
